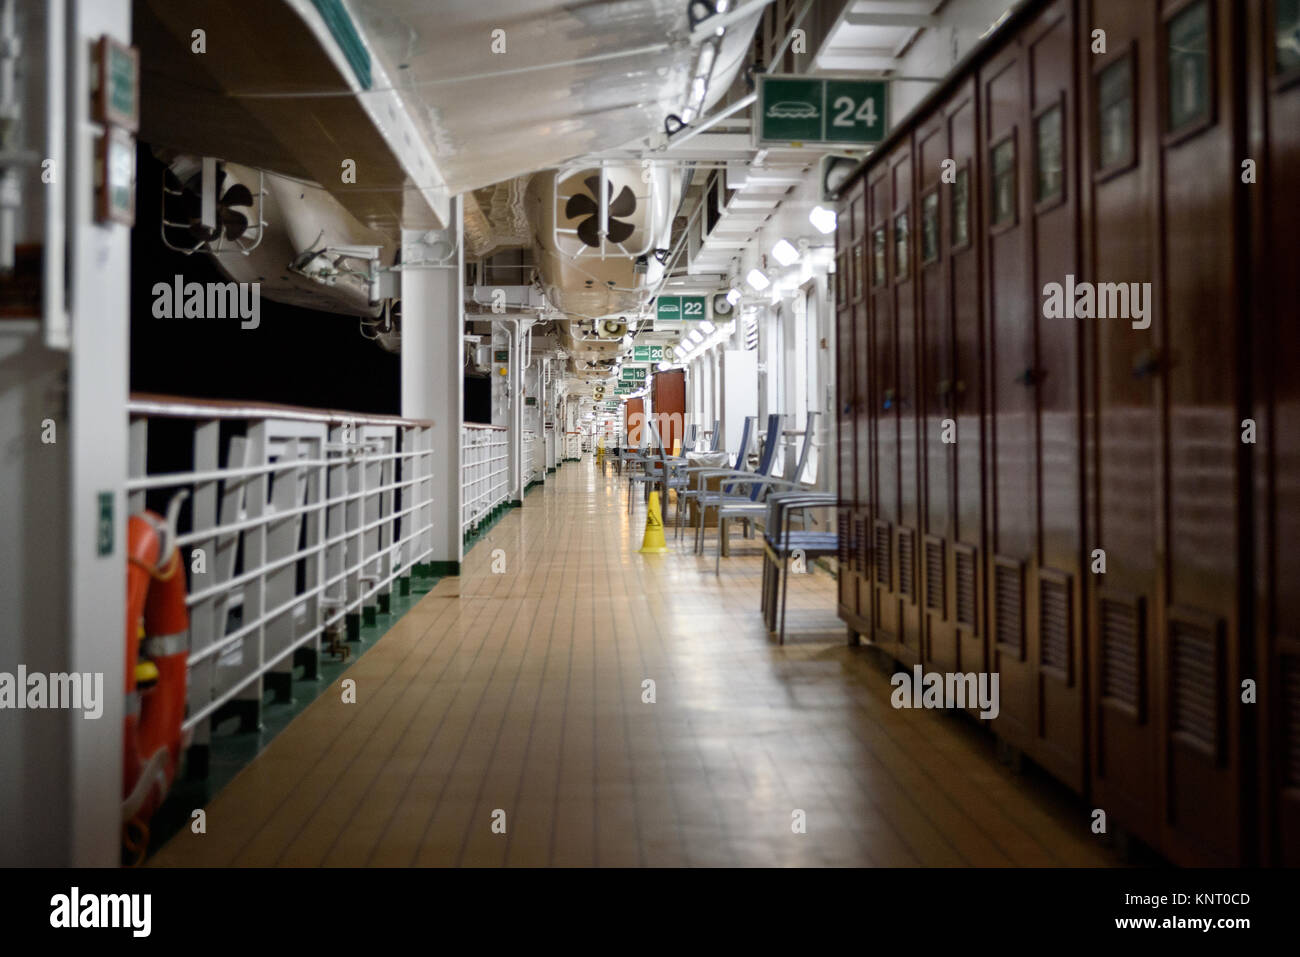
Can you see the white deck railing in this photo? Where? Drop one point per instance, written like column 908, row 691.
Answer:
column 296, row 519
column 484, row 465
column 532, row 448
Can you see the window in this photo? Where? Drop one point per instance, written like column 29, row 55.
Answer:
column 1286, row 36
column 1187, row 50
column 858, row 269
column 1049, row 159
column 1115, row 114
column 930, row 228
column 961, row 209
column 878, row 256
column 901, row 237
column 1004, row 182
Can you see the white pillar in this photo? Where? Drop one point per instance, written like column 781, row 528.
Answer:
column 433, row 383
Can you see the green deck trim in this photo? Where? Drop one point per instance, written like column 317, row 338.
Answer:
column 345, row 35
column 232, row 749
column 478, row 531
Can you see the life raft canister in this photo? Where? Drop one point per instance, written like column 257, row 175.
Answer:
column 157, row 648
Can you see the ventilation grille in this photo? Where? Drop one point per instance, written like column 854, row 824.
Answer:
column 965, row 562
column 1054, row 623
column 907, row 564
column 1195, row 706
column 1291, row 721
column 1120, row 643
column 862, row 553
column 882, row 555
column 1007, row 611
column 843, row 544
column 934, row 575
column 751, row 333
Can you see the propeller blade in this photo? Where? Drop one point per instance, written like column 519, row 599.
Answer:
column 619, row 230
column 233, row 224
column 580, row 205
column 625, row 204
column 588, row 231
column 593, row 185
column 238, row 195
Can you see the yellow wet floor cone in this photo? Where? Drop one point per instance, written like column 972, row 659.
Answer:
column 653, row 543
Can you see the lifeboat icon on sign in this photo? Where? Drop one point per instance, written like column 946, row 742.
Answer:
column 792, row 110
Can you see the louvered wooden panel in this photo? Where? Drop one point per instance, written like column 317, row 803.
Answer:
column 843, row 543
column 1291, row 721
column 882, row 555
column 1120, row 634
column 934, row 575
column 964, row 560
column 1008, row 601
column 1194, row 684
column 907, row 564
column 862, row 546
column 1055, row 623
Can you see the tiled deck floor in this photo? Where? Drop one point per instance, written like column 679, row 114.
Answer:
column 522, row 691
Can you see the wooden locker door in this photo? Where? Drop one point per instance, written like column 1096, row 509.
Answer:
column 1275, row 140
column 846, row 456
column 1121, row 215
column 882, row 395
column 1200, row 658
column 907, row 538
column 934, row 399
column 846, row 452
column 1012, row 383
column 862, row 409
column 865, row 593
column 961, row 203
column 1053, row 221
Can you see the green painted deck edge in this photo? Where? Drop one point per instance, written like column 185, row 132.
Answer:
column 231, row 751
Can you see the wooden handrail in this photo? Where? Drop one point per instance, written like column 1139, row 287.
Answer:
column 181, row 407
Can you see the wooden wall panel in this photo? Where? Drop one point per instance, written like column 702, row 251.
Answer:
column 935, row 396
column 1274, row 143
column 903, row 283
column 1010, row 383
column 964, row 201
column 883, row 393
column 1201, row 656
column 1122, row 189
column 1051, row 205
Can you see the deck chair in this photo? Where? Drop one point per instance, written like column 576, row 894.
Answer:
column 752, row 505
column 688, row 440
column 716, row 435
column 737, row 483
column 655, row 465
column 693, row 472
column 781, row 543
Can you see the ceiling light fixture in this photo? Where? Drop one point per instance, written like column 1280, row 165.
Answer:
column 757, row 279
column 823, row 219
column 785, row 253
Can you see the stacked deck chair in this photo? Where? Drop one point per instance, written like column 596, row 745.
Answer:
column 747, row 499
column 692, row 473
column 781, row 543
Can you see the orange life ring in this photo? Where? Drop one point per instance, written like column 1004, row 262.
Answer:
column 157, row 643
